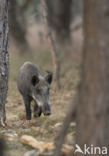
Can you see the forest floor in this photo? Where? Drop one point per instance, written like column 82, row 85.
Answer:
column 43, row 128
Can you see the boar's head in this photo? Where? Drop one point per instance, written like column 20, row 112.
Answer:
column 40, row 92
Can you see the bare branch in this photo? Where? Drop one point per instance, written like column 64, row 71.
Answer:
column 51, row 41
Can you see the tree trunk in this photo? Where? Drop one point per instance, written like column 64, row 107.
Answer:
column 2, row 146
column 17, row 31
column 59, row 17
column 93, row 104
column 4, row 63
column 77, row 8
column 54, row 54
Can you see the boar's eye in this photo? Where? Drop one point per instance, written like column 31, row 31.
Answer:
column 34, row 80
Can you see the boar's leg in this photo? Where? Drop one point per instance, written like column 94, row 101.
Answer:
column 2, row 116
column 37, row 110
column 27, row 102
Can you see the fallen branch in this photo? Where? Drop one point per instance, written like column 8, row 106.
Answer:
column 42, row 146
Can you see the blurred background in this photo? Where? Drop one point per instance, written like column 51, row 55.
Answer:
column 28, row 41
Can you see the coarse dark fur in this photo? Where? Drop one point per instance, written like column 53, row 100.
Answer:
column 33, row 85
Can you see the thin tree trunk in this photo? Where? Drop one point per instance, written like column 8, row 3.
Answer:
column 93, row 104
column 54, row 54
column 2, row 146
column 59, row 17
column 17, row 31
column 4, row 63
column 25, row 5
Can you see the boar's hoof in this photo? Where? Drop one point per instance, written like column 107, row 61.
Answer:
column 38, row 113
column 3, row 124
column 26, row 122
column 47, row 113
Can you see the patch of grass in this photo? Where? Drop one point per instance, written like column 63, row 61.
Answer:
column 27, row 146
column 21, row 116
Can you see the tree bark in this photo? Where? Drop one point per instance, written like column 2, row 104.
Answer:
column 59, row 17
column 93, row 104
column 4, row 63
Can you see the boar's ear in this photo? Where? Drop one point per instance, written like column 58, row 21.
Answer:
column 34, row 80
column 49, row 77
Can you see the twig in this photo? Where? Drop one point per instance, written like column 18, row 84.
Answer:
column 54, row 53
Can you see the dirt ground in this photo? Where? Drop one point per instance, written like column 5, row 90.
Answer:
column 43, row 128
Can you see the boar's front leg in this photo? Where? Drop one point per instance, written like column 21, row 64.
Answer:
column 27, row 102
column 37, row 110
column 2, row 115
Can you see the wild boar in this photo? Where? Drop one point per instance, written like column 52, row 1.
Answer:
column 33, row 85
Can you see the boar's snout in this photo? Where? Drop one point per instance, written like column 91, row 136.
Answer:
column 47, row 110
column 47, row 113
